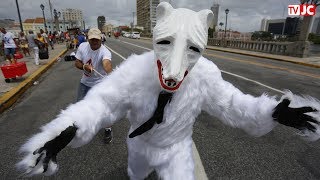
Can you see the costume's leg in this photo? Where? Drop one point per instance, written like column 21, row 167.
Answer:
column 138, row 166
column 179, row 167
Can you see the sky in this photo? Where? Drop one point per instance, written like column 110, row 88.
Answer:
column 244, row 15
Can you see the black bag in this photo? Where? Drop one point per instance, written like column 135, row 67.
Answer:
column 43, row 53
column 70, row 58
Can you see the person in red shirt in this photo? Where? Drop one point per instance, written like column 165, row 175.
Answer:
column 51, row 38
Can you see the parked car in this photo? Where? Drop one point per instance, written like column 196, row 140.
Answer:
column 127, row 34
column 135, row 35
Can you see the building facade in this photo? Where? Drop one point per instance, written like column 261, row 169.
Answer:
column 292, row 27
column 34, row 24
column 316, row 26
column 289, row 27
column 64, row 25
column 101, row 20
column 215, row 9
column 107, row 28
column 38, row 23
column 146, row 14
column 276, row 26
column 74, row 16
column 263, row 26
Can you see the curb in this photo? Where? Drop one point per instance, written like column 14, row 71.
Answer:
column 263, row 56
column 9, row 98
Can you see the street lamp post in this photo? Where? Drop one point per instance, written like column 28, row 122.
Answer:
column 21, row 27
column 44, row 18
column 132, row 23
column 50, row 6
column 64, row 22
column 225, row 26
column 56, row 18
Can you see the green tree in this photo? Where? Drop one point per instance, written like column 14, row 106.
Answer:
column 261, row 36
column 210, row 32
column 221, row 24
column 314, row 38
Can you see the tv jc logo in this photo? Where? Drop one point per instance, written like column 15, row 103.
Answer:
column 302, row 10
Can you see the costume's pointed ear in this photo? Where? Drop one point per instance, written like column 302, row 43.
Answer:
column 164, row 9
column 206, row 17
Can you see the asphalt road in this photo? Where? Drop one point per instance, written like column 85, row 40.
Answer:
column 226, row 153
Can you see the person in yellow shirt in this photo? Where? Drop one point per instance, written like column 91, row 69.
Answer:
column 42, row 41
column 24, row 44
column 75, row 42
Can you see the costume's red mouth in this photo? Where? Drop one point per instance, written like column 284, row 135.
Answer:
column 168, row 84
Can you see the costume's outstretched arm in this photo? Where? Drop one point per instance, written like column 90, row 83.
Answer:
column 303, row 114
column 104, row 104
column 259, row 115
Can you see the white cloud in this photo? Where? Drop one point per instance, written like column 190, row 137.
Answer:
column 245, row 15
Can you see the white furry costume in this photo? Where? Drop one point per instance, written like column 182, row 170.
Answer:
column 132, row 90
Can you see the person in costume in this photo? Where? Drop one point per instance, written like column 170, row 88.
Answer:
column 161, row 92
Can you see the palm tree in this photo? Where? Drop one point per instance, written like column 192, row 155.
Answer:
column 221, row 24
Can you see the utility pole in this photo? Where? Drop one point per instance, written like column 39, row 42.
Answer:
column 132, row 22
column 64, row 21
column 21, row 27
column 50, row 5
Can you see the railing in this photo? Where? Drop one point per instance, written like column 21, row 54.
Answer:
column 281, row 48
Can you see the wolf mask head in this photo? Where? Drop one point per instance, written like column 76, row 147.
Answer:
column 179, row 39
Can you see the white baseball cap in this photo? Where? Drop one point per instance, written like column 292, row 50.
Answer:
column 94, row 33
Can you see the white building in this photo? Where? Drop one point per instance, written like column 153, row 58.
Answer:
column 215, row 9
column 263, row 24
column 315, row 27
column 146, row 14
column 63, row 25
column 73, row 15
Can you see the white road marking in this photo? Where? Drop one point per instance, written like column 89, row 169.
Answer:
column 115, row 52
column 247, row 79
column 137, row 45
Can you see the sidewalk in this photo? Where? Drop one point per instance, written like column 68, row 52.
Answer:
column 313, row 61
column 10, row 92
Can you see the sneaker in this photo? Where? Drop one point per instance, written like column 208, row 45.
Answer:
column 108, row 135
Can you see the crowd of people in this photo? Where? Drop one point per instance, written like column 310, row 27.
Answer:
column 37, row 42
column 92, row 57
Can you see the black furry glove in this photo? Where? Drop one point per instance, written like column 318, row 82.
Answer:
column 294, row 117
column 53, row 147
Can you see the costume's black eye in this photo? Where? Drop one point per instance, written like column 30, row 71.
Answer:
column 164, row 42
column 194, row 49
